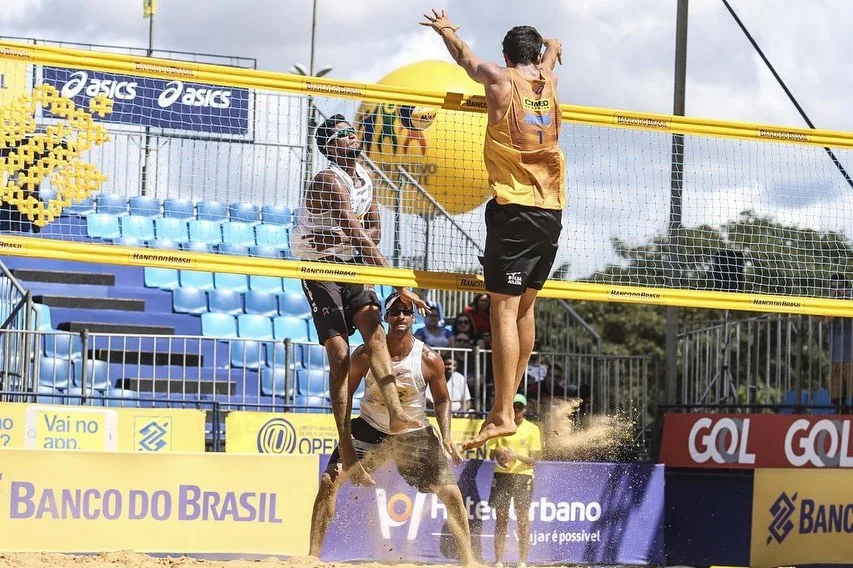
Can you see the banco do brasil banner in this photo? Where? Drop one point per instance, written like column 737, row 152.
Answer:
column 585, row 513
column 802, row 517
column 158, row 103
column 751, row 441
column 202, row 503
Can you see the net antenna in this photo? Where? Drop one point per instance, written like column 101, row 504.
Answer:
column 727, row 268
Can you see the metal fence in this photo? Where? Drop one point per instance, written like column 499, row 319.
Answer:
column 246, row 374
column 752, row 362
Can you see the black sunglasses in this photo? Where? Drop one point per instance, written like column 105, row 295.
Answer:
column 397, row 311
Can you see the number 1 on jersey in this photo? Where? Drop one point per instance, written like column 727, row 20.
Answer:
column 541, row 136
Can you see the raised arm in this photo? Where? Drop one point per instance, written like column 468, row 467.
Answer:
column 483, row 72
column 434, row 376
column 553, row 54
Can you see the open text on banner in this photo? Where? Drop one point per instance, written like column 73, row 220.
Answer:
column 802, row 517
column 751, row 441
column 293, row 433
column 163, row 503
column 608, row 514
column 105, row 429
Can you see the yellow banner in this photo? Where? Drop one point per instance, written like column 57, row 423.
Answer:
column 289, row 433
column 802, row 517
column 149, row 8
column 13, row 81
column 61, row 427
column 210, row 503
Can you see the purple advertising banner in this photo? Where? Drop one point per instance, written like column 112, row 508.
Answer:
column 583, row 513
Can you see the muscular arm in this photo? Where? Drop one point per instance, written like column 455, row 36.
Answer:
column 372, row 223
column 484, row 72
column 553, row 54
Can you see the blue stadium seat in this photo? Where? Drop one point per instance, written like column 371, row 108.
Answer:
column 225, row 302
column 205, row 231
column 196, row 246
column 264, row 252
column 790, row 399
column 212, row 211
column 276, row 236
column 292, row 285
column 111, row 204
column 172, row 229
column 47, row 395
column 313, row 356
column 62, row 345
column 43, row 311
column 163, row 244
column 228, row 281
column 218, row 325
column 55, row 372
column 231, row 248
column 294, row 304
column 47, row 193
column 277, row 215
column 311, row 404
column 128, row 242
column 290, row 327
column 74, row 397
column 313, row 381
column 261, row 303
column 247, row 354
column 145, row 206
column 102, row 226
column 117, row 397
column 139, row 227
column 821, row 399
column 97, row 374
column 271, row 284
column 245, row 213
column 277, row 355
column 163, row 278
column 81, row 207
column 273, row 382
column 238, row 233
column 253, row 326
column 189, row 301
column 183, row 209
column 196, row 279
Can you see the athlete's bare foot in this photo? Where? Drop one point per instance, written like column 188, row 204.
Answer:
column 494, row 426
column 400, row 421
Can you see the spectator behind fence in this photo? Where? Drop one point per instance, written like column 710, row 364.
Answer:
column 457, row 387
column 433, row 333
column 478, row 309
column 840, row 348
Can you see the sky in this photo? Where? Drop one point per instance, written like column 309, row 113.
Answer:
column 616, row 54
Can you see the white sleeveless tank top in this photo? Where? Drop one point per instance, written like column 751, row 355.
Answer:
column 308, row 221
column 411, row 387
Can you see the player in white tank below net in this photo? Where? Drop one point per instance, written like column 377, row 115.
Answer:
column 421, row 457
column 339, row 223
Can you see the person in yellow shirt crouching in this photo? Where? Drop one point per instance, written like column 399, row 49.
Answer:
column 514, row 457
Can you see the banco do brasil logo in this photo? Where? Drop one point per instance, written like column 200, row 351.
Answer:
column 782, row 510
column 277, row 436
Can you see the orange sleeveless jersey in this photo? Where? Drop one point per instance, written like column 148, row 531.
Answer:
column 525, row 163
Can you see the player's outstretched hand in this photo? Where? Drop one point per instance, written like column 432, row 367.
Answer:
column 452, row 451
column 438, row 21
column 410, row 298
column 358, row 476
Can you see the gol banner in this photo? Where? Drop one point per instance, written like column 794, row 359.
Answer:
column 801, row 517
column 62, row 427
column 297, row 433
column 200, row 503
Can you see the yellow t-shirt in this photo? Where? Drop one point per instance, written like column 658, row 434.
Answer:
column 526, row 440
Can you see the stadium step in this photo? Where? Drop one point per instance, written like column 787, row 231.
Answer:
column 177, row 386
column 120, row 328
column 124, row 304
column 64, row 276
column 131, row 357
